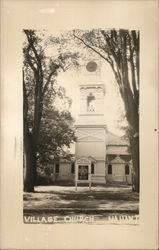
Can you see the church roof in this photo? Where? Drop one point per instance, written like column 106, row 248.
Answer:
column 125, row 157
column 112, row 139
column 117, row 159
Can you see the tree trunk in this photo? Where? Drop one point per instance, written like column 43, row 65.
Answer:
column 133, row 121
column 136, row 168
column 30, row 149
column 29, row 163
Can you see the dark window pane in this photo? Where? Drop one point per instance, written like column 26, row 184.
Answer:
column 57, row 167
column 127, row 169
column 109, row 169
column 72, row 168
column 92, row 168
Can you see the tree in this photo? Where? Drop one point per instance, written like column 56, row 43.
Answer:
column 120, row 49
column 56, row 133
column 39, row 91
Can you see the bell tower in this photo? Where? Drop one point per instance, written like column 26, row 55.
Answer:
column 90, row 125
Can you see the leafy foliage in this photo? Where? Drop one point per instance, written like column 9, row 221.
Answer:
column 56, row 132
column 46, row 130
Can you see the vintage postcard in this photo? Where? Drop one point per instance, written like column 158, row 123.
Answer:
column 79, row 125
column 79, row 146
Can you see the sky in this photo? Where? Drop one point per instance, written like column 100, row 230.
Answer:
column 71, row 79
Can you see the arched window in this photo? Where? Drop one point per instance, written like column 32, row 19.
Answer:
column 109, row 169
column 127, row 171
column 90, row 103
column 72, row 168
column 92, row 168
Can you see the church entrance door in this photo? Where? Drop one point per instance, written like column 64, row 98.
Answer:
column 83, row 172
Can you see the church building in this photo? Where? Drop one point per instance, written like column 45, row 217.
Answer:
column 100, row 156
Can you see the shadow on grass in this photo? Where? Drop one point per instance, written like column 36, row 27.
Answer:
column 113, row 193
column 122, row 192
column 96, row 196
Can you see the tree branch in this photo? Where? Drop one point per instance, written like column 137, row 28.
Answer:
column 29, row 60
column 87, row 45
column 109, row 41
column 25, row 101
column 31, row 44
column 56, row 66
column 135, row 38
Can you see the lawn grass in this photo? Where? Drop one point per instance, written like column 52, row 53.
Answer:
column 118, row 198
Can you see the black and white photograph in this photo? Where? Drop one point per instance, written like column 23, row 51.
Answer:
column 81, row 126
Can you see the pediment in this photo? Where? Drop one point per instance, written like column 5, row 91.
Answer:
column 117, row 160
column 83, row 160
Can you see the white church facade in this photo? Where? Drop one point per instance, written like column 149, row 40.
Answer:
column 116, row 167
column 100, row 156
